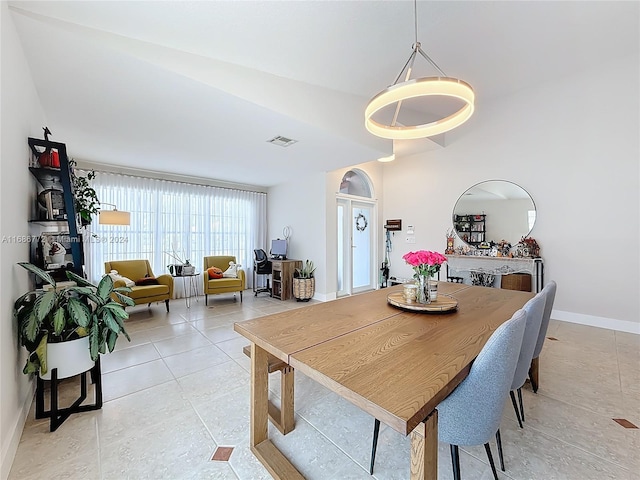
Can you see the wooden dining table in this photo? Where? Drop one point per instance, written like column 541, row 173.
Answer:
column 394, row 364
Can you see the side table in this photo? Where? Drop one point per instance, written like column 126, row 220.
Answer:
column 190, row 286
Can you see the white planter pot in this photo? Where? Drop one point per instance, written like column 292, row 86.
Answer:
column 70, row 358
column 57, row 258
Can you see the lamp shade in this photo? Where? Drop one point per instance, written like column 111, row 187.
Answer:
column 114, row 217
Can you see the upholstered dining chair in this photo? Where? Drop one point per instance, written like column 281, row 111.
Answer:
column 550, row 289
column 535, row 310
column 471, row 414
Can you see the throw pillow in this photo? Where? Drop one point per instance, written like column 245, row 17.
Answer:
column 148, row 281
column 232, row 271
column 214, row 272
column 116, row 276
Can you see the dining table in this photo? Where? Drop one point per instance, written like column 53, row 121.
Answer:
column 397, row 364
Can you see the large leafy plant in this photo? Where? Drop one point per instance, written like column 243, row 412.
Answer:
column 69, row 313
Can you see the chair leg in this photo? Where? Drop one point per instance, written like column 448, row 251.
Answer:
column 490, row 457
column 166, row 302
column 206, row 300
column 521, row 406
column 499, row 442
column 455, row 462
column 515, row 407
column 376, row 430
column 240, row 296
column 149, row 305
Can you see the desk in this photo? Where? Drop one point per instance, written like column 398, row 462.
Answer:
column 282, row 277
column 357, row 346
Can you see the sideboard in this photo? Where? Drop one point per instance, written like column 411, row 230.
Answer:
column 465, row 267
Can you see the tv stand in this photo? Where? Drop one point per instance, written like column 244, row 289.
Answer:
column 278, row 257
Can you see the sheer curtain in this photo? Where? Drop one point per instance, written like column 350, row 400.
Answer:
column 172, row 218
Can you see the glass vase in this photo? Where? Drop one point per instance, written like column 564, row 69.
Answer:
column 423, row 294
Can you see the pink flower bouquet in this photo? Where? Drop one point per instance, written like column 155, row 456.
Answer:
column 425, row 262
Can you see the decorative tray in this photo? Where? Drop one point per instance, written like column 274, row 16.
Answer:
column 444, row 303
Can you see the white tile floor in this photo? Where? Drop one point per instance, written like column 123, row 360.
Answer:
column 180, row 389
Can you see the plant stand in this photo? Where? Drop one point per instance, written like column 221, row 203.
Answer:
column 59, row 415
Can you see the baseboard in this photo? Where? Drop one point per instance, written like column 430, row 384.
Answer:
column 11, row 447
column 593, row 321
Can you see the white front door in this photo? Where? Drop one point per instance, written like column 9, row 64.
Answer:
column 356, row 246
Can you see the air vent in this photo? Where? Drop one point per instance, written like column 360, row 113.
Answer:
column 282, row 141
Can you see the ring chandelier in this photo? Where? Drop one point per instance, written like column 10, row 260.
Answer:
column 419, row 87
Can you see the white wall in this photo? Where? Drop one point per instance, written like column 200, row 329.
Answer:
column 573, row 144
column 308, row 206
column 301, row 206
column 22, row 117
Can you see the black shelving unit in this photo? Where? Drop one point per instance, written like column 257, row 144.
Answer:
column 471, row 228
column 66, row 223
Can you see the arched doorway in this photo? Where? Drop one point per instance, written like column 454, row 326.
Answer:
column 357, row 234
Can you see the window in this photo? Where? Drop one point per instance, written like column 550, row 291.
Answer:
column 175, row 219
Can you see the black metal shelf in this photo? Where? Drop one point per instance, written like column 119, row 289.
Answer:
column 48, row 177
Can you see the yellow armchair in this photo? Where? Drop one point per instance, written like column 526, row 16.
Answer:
column 136, row 270
column 222, row 285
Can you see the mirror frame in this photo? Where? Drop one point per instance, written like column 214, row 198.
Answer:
column 512, row 185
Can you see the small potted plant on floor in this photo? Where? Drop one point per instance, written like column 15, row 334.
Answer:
column 59, row 317
column 304, row 283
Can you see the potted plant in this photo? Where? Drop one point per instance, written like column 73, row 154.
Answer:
column 80, row 314
column 304, row 283
column 85, row 197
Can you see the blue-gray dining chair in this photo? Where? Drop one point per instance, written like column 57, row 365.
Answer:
column 471, row 414
column 550, row 289
column 535, row 310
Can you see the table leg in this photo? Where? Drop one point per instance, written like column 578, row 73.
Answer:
column 274, row 461
column 259, row 395
column 424, row 449
column 286, row 400
column 534, row 372
column 187, row 292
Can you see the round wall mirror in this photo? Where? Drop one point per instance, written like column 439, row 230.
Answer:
column 493, row 211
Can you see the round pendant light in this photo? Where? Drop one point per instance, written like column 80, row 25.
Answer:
column 441, row 86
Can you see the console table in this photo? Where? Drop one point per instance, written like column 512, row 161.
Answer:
column 464, row 266
column 282, row 277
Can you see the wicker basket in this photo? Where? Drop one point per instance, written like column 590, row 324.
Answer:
column 304, row 288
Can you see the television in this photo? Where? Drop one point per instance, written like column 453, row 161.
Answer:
column 279, row 249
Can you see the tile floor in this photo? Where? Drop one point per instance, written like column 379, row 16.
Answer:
column 180, row 390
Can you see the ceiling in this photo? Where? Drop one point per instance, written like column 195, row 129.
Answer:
column 197, row 88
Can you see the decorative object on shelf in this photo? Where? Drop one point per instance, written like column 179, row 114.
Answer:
column 440, row 87
column 504, row 248
column 113, row 217
column 177, row 269
column 304, row 283
column 85, row 197
column 57, row 253
column 49, row 157
column 68, row 313
column 450, row 242
column 527, row 248
column 425, row 264
column 361, row 222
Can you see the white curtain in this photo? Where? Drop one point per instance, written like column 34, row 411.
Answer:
column 172, row 218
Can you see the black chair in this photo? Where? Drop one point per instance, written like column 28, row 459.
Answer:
column 261, row 266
